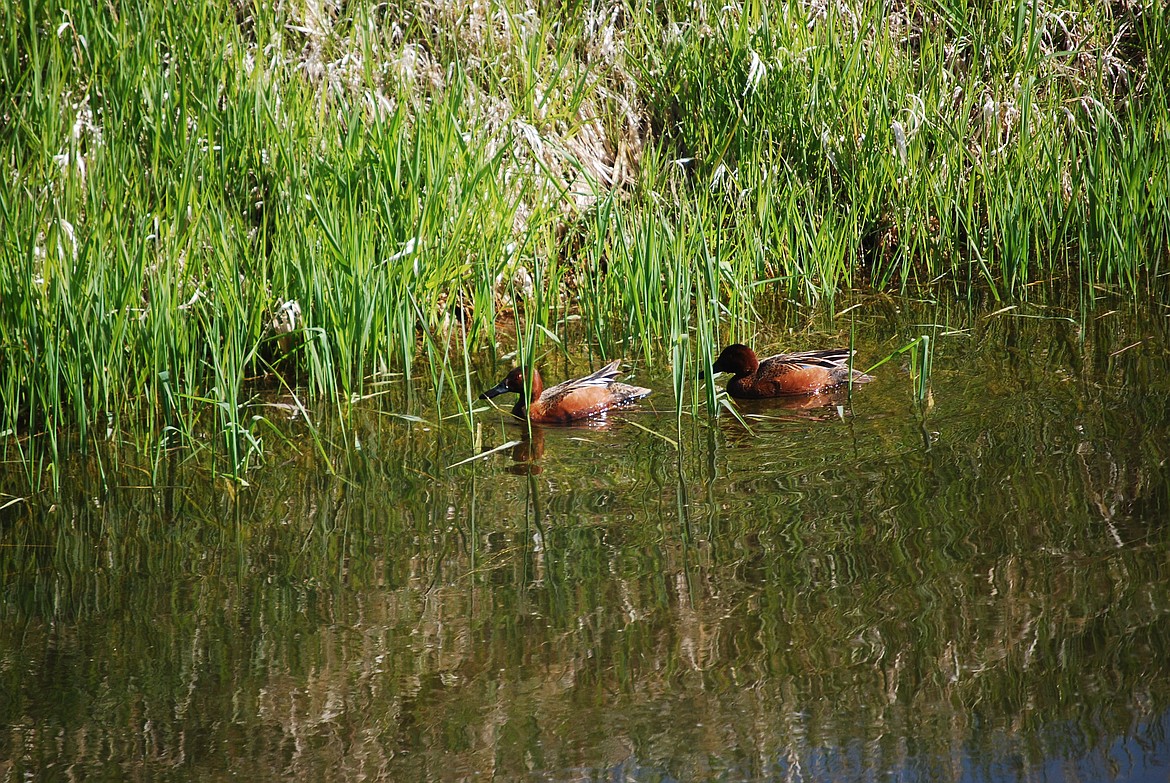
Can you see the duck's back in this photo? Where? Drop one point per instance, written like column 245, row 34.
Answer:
column 797, row 373
column 582, row 398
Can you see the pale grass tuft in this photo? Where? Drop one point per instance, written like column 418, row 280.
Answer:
column 756, row 73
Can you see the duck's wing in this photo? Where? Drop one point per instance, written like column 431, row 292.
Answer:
column 831, row 359
column 801, row 373
column 598, row 379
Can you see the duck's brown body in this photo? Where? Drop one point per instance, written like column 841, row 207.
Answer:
column 580, row 398
column 785, row 374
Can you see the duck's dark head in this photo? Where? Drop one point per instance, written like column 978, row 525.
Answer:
column 513, row 382
column 738, row 359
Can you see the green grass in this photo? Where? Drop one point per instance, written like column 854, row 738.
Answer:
column 174, row 173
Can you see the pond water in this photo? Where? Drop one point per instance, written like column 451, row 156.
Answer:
column 974, row 585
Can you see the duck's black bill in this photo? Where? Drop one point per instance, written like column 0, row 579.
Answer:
column 495, row 391
column 715, row 370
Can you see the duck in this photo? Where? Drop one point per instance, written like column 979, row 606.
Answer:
column 785, row 374
column 581, row 398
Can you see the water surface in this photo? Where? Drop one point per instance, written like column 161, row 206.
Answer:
column 974, row 585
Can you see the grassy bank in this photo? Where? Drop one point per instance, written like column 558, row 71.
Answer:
column 199, row 197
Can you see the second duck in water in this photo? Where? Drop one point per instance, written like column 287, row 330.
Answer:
column 785, row 374
column 580, row 398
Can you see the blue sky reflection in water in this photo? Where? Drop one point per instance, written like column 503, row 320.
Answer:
column 1136, row 758
column 973, row 585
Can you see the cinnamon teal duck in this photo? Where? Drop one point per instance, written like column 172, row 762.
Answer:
column 580, row 398
column 785, row 374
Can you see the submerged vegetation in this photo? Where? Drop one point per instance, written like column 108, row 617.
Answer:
column 199, row 199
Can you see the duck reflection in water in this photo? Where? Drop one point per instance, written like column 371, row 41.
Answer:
column 794, row 418
column 819, row 406
column 529, row 450
column 527, row 453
